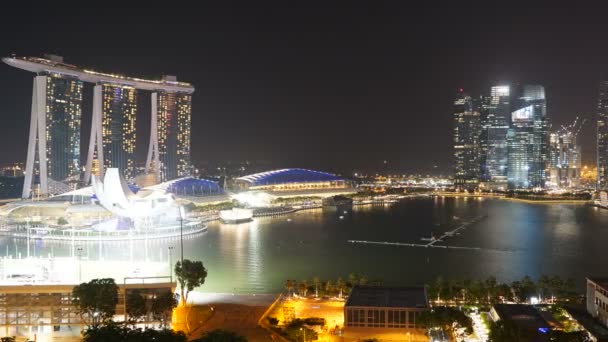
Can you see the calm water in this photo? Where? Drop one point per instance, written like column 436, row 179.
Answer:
column 516, row 239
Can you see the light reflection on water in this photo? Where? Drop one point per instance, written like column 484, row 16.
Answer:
column 516, row 238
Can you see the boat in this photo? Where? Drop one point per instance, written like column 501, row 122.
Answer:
column 236, row 215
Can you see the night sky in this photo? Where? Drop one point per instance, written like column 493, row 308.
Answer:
column 337, row 86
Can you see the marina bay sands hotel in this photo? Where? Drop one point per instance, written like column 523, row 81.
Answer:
column 53, row 152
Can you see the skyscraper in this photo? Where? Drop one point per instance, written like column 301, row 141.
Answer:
column 528, row 140
column 602, row 136
column 496, row 124
column 169, row 150
column 63, row 122
column 54, row 136
column 466, row 142
column 564, row 158
column 119, row 108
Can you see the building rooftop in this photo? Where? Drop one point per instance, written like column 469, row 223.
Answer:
column 524, row 316
column 283, row 176
column 599, row 281
column 393, row 297
column 55, row 64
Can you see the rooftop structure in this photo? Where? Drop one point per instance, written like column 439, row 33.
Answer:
column 597, row 299
column 374, row 311
column 390, row 297
column 290, row 179
column 55, row 64
column 525, row 317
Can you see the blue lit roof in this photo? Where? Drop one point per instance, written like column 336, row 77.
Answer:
column 194, row 187
column 289, row 176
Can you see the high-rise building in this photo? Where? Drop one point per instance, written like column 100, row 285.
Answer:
column 466, row 141
column 169, row 150
column 496, row 124
column 54, row 140
column 119, row 109
column 63, row 122
column 484, row 110
column 528, row 140
column 602, row 136
column 564, row 158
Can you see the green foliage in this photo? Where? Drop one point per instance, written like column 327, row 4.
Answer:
column 190, row 275
column 574, row 336
column 490, row 291
column 7, row 339
column 220, row 335
column 445, row 316
column 162, row 307
column 96, row 301
column 314, row 321
column 115, row 332
column 272, row 320
column 62, row 221
column 136, row 307
column 211, row 207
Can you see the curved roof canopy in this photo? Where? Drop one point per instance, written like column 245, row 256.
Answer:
column 289, row 176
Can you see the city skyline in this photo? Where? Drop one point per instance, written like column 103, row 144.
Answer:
column 389, row 84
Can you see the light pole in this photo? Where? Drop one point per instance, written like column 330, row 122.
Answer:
column 182, row 214
column 170, row 263
column 304, row 334
column 79, row 251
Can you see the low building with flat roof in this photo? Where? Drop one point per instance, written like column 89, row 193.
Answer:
column 373, row 311
column 597, row 299
column 45, row 312
column 524, row 317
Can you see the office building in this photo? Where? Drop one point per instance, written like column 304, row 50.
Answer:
column 496, row 125
column 467, row 129
column 565, row 158
column 602, row 136
column 528, row 140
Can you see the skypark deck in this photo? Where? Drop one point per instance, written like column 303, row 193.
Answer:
column 39, row 65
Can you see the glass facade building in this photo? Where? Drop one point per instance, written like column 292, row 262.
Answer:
column 564, row 159
column 528, row 140
column 496, row 125
column 119, row 108
column 467, row 129
column 602, row 136
column 63, row 121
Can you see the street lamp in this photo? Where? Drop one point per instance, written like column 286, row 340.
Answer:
column 79, row 251
column 182, row 215
column 304, row 336
column 170, row 263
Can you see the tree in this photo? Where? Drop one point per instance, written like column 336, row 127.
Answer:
column 303, row 287
column 112, row 331
column 340, row 285
column 190, row 275
column 316, row 281
column 162, row 307
column 136, row 307
column 289, row 285
column 96, row 301
column 220, row 335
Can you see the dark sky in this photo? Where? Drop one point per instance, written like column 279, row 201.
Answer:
column 337, row 86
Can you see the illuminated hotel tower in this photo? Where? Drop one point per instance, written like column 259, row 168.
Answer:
column 54, row 137
column 54, row 140
column 169, row 149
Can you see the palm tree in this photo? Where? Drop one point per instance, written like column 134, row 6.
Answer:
column 316, row 281
column 340, row 284
column 289, row 285
column 329, row 287
column 303, row 287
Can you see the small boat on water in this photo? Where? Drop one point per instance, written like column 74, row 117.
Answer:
column 236, row 215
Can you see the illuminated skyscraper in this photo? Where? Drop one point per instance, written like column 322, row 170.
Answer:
column 564, row 158
column 119, row 109
column 169, row 149
column 528, row 140
column 496, row 124
column 54, row 136
column 602, row 136
column 466, row 142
